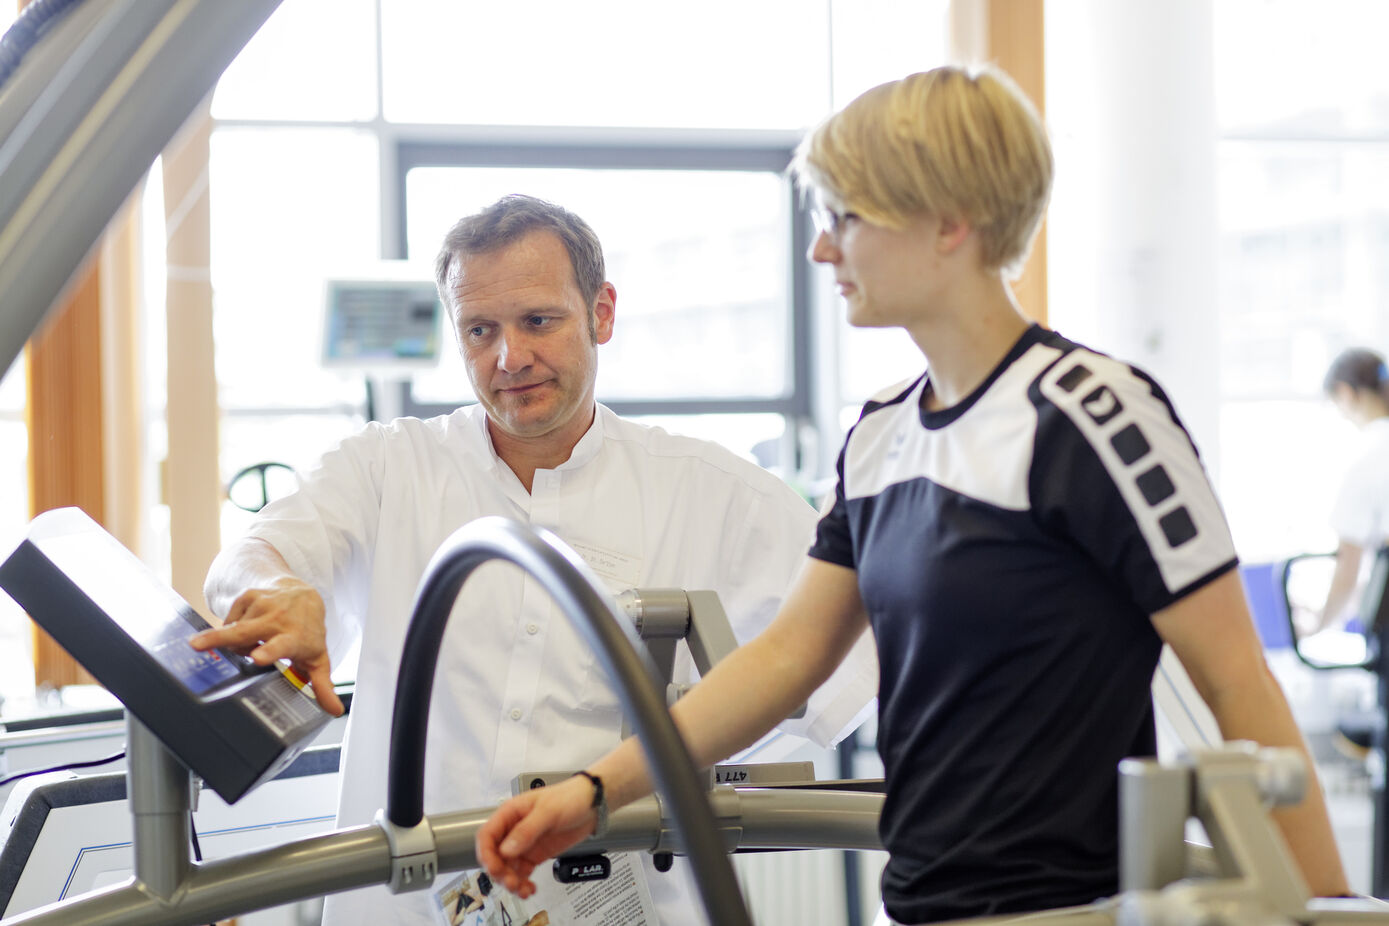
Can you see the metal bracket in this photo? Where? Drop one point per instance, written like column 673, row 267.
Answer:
column 414, row 856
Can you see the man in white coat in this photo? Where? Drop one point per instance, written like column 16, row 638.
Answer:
column 516, row 687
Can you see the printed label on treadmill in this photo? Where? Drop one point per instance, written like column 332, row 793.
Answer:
column 622, row 899
column 283, row 707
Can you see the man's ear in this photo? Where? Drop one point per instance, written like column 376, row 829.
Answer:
column 952, row 233
column 604, row 309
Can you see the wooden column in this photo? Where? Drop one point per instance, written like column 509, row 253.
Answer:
column 1009, row 34
column 66, row 433
column 193, row 486
column 84, row 408
column 1016, row 44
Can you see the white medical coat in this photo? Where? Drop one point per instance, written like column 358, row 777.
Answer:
column 1360, row 514
column 517, row 689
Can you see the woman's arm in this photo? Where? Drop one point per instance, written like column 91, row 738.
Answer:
column 1343, row 581
column 1211, row 632
column 742, row 697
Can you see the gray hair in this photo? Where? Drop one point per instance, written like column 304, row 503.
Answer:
column 508, row 220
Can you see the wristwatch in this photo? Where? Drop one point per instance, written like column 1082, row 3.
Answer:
column 599, row 805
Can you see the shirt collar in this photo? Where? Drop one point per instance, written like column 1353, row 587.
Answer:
column 479, row 440
column 588, row 446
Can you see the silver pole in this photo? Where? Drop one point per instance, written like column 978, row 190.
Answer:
column 1154, row 803
column 360, row 856
column 582, row 598
column 160, row 790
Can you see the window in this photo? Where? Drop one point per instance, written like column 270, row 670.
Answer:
column 339, row 142
column 313, row 60
column 559, row 63
column 702, row 298
column 290, row 207
column 16, row 636
column 1304, row 225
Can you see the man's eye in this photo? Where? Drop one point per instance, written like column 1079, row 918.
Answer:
column 537, row 321
column 476, row 331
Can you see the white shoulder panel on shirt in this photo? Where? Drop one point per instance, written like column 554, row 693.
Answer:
column 984, row 454
column 1150, row 458
column 891, row 392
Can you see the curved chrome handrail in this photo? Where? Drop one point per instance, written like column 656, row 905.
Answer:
column 580, row 596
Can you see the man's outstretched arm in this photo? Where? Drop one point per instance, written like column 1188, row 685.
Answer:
column 270, row 614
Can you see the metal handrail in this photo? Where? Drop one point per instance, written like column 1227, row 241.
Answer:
column 583, row 600
column 358, row 856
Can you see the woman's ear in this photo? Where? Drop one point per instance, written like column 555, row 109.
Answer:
column 952, row 233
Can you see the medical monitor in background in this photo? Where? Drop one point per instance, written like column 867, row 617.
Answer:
column 390, row 322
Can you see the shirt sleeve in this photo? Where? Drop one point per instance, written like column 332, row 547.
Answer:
column 1116, row 474
column 834, row 543
column 1356, row 515
column 327, row 528
column 765, row 558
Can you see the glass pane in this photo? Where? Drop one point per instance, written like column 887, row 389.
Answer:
column 290, row 207
column 1260, row 463
column 699, row 260
column 609, row 63
column 295, row 440
column 14, row 472
column 13, row 393
column 880, row 40
column 16, row 657
column 1292, row 68
column 755, row 437
column 872, row 359
column 313, row 59
column 1304, row 231
column 16, row 660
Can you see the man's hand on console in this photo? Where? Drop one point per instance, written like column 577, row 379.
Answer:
column 283, row 621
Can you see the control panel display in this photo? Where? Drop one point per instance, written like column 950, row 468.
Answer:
column 232, row 722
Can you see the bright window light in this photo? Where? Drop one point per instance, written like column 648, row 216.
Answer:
column 698, row 258
column 714, row 64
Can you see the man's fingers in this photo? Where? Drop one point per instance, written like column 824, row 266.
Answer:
column 238, row 608
column 321, row 681
column 229, row 636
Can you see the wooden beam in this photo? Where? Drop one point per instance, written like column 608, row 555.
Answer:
column 194, row 484
column 66, row 434
column 1016, row 44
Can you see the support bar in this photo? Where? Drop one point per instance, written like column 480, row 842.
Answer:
column 607, row 631
column 360, row 856
column 161, row 805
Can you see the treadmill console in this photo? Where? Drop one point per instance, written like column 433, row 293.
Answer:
column 232, row 722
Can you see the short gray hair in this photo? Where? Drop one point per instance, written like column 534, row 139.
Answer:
column 508, row 220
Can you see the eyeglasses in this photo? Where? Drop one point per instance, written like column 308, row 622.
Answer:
column 831, row 222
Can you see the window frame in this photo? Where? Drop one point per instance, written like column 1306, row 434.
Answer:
column 595, row 149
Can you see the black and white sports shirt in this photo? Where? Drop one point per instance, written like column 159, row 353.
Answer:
column 1010, row 551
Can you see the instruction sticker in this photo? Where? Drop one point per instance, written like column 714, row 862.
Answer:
column 622, row 899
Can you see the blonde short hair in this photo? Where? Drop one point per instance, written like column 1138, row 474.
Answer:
column 953, row 142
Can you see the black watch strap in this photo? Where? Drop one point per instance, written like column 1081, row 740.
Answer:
column 599, row 804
